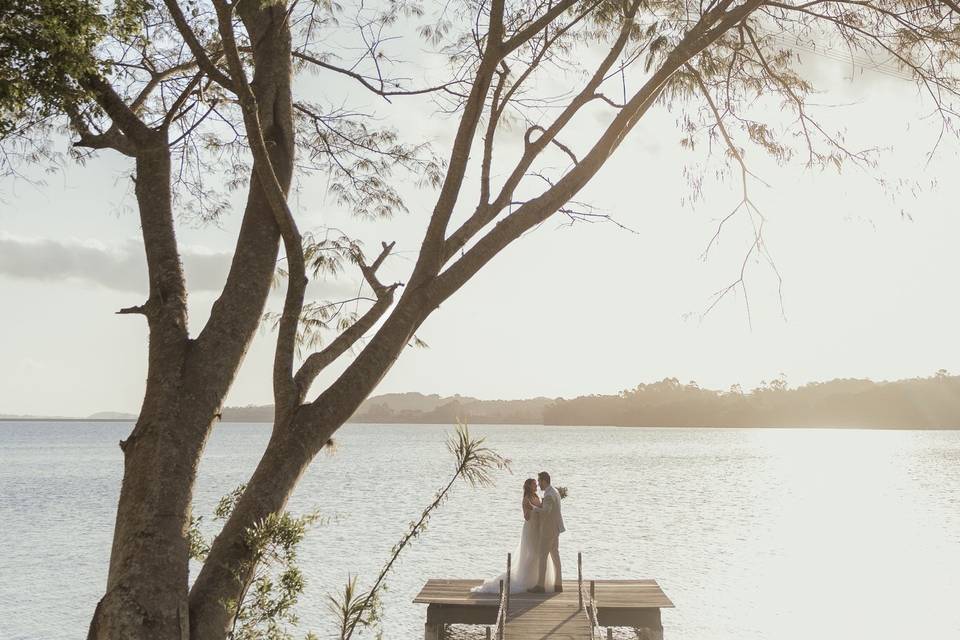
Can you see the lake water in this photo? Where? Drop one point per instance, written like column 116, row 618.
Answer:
column 773, row 534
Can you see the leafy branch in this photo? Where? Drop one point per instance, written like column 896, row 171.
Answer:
column 475, row 464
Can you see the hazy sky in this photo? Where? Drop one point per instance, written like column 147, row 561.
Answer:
column 867, row 273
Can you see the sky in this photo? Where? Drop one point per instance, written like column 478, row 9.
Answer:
column 865, row 290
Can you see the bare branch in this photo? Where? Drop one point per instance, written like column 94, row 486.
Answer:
column 370, row 271
column 380, row 90
column 112, row 138
column 173, row 111
column 137, row 309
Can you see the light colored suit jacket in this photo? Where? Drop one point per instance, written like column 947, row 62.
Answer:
column 551, row 518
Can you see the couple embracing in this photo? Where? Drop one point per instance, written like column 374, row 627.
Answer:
column 536, row 564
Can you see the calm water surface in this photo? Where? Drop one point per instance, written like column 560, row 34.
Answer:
column 772, row 534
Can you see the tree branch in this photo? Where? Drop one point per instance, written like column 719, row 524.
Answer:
column 196, row 48
column 483, row 215
column 381, row 91
column 140, row 309
column 431, row 252
column 710, row 27
column 112, row 138
column 317, row 362
column 535, row 27
column 122, row 115
column 285, row 389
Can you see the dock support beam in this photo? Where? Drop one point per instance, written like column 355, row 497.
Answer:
column 434, row 631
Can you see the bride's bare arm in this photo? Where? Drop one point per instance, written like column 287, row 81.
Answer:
column 530, row 505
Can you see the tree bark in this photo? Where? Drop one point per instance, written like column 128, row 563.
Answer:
column 146, row 584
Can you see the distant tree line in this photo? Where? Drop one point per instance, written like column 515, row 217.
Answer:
column 932, row 402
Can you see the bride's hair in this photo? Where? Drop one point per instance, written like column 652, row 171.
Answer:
column 529, row 487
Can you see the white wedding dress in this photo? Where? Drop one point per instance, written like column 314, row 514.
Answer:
column 524, row 563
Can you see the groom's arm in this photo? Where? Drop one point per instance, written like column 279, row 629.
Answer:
column 547, row 505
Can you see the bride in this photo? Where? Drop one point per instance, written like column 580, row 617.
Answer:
column 525, row 563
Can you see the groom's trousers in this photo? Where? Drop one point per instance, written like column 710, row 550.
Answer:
column 550, row 550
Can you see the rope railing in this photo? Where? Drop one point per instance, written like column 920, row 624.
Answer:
column 500, row 614
column 504, row 603
column 591, row 609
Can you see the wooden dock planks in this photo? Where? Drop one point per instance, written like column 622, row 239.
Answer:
column 629, row 594
column 628, row 603
column 553, row 615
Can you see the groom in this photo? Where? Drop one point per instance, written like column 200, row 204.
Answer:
column 551, row 526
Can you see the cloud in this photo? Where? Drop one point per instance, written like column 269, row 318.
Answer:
column 122, row 267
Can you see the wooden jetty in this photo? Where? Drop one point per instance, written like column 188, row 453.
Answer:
column 577, row 613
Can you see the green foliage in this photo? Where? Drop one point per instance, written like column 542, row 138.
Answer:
column 360, row 158
column 48, row 51
column 475, row 461
column 199, row 546
column 326, row 257
column 228, row 503
column 354, row 608
column 45, row 47
column 267, row 609
column 266, row 612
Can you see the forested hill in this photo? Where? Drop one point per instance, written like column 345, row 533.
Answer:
column 418, row 408
column 914, row 403
column 932, row 402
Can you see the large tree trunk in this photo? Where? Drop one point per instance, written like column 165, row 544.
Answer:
column 147, row 586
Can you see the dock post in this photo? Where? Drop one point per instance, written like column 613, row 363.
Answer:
column 580, row 580
column 506, row 596
column 432, row 631
column 609, row 633
column 488, row 633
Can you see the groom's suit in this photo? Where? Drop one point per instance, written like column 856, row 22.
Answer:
column 551, row 526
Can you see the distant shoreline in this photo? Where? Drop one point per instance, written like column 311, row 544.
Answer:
column 931, row 403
